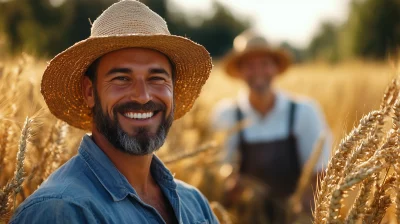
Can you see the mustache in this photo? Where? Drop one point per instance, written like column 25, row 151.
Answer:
column 149, row 106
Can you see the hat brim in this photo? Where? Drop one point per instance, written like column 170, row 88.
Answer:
column 232, row 59
column 61, row 82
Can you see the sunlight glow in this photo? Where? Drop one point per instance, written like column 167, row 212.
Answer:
column 295, row 21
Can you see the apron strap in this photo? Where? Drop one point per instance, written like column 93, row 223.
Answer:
column 292, row 114
column 239, row 118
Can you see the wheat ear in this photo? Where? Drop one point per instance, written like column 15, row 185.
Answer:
column 56, row 148
column 336, row 164
column 359, row 206
column 14, row 185
column 19, row 172
column 380, row 203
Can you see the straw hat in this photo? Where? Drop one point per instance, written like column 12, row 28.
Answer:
column 250, row 42
column 125, row 24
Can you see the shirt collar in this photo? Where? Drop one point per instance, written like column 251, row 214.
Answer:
column 281, row 103
column 111, row 179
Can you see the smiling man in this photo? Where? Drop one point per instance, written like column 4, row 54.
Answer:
column 126, row 84
column 282, row 130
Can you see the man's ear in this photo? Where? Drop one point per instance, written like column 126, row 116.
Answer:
column 88, row 91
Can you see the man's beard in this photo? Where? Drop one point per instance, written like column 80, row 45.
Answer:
column 143, row 143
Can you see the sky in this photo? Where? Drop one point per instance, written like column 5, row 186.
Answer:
column 295, row 21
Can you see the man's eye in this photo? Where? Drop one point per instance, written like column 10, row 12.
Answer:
column 157, row 78
column 120, row 78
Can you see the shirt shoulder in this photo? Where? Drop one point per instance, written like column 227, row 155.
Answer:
column 310, row 125
column 53, row 209
column 72, row 180
column 307, row 105
column 309, row 113
column 223, row 115
column 70, row 195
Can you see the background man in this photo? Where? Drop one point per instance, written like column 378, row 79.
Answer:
column 282, row 132
column 126, row 83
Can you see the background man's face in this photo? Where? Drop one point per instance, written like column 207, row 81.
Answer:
column 258, row 71
column 134, row 99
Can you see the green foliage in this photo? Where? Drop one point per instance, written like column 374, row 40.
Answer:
column 215, row 33
column 298, row 54
column 375, row 26
column 39, row 28
column 324, row 46
column 372, row 31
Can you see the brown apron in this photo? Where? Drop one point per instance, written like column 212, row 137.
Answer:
column 274, row 163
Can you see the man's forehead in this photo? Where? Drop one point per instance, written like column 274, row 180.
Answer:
column 140, row 53
column 139, row 56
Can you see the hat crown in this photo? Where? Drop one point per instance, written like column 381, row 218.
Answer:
column 249, row 40
column 128, row 17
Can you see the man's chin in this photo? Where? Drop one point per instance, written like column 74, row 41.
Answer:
column 139, row 132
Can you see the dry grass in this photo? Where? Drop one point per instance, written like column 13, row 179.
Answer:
column 194, row 152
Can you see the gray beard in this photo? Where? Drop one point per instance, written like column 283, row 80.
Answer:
column 142, row 143
column 132, row 146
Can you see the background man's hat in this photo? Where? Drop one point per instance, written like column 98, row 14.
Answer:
column 125, row 24
column 250, row 42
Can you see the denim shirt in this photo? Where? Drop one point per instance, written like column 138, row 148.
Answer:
column 90, row 189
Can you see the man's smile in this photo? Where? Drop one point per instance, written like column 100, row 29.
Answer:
column 139, row 116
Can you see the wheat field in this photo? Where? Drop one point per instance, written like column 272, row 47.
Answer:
column 33, row 143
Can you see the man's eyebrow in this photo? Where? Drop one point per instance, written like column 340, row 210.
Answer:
column 119, row 70
column 159, row 71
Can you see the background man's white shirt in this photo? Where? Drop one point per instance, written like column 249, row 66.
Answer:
column 309, row 123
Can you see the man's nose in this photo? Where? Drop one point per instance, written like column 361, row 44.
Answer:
column 139, row 92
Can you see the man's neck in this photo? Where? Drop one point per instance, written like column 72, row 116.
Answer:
column 136, row 169
column 262, row 102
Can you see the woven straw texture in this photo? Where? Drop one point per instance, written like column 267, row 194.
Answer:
column 248, row 43
column 125, row 24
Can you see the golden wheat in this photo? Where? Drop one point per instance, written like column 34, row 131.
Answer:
column 52, row 143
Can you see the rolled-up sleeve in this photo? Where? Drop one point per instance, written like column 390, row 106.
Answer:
column 53, row 210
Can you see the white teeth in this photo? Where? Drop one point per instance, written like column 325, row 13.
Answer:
column 130, row 115
column 139, row 116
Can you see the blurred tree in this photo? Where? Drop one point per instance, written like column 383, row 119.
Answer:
column 373, row 28
column 325, row 44
column 298, row 55
column 43, row 29
column 215, row 33
column 46, row 27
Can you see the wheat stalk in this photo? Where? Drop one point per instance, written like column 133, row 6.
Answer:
column 335, row 167
column 220, row 212
column 305, row 178
column 359, row 206
column 19, row 172
column 389, row 97
column 380, row 203
column 205, row 147
column 14, row 185
column 56, row 148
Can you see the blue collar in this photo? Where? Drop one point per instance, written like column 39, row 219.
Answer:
column 112, row 180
